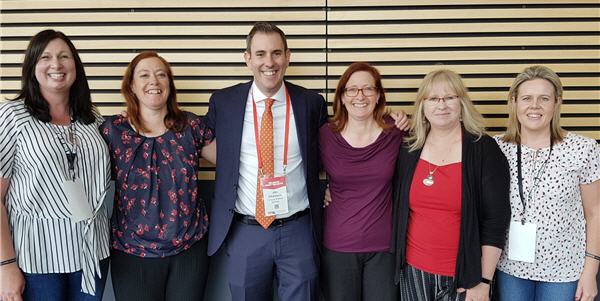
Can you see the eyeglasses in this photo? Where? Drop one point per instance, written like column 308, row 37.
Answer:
column 446, row 99
column 366, row 91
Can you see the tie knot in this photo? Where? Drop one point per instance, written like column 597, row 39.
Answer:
column 269, row 103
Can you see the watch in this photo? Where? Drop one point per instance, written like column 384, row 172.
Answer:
column 486, row 281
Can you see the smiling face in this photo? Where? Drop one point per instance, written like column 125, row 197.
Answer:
column 268, row 59
column 535, row 103
column 55, row 68
column 150, row 84
column 360, row 106
column 442, row 107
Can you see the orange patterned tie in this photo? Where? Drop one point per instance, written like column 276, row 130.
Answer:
column 266, row 152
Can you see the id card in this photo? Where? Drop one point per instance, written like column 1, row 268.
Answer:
column 78, row 202
column 521, row 241
column 275, row 195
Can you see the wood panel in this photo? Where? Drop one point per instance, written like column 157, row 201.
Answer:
column 486, row 41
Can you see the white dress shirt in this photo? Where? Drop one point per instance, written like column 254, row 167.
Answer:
column 295, row 177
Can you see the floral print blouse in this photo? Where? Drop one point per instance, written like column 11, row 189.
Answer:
column 157, row 211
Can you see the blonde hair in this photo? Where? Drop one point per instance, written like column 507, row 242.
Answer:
column 472, row 121
column 513, row 128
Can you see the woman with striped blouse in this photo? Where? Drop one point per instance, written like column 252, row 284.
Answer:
column 54, row 174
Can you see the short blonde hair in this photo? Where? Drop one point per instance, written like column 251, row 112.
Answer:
column 513, row 128
column 472, row 121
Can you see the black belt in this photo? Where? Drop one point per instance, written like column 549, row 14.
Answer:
column 251, row 220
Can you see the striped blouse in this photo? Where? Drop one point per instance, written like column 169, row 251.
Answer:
column 33, row 157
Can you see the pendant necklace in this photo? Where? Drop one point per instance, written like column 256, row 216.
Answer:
column 428, row 180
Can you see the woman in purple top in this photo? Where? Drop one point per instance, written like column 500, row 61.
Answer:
column 159, row 222
column 359, row 147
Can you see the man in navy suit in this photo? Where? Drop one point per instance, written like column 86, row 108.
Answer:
column 285, row 249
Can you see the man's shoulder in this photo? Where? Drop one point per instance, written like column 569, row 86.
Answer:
column 228, row 91
column 302, row 91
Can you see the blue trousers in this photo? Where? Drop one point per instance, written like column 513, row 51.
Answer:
column 284, row 253
column 62, row 286
column 518, row 289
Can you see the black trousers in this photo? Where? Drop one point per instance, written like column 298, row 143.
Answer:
column 358, row 276
column 181, row 277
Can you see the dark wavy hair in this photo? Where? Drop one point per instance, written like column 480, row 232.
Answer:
column 80, row 99
column 175, row 119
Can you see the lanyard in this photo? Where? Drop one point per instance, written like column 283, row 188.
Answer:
column 71, row 152
column 536, row 178
column 287, row 131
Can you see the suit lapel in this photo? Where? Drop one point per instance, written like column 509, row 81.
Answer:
column 300, row 108
column 237, row 114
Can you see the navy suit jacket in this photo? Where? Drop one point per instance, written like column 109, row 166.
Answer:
column 225, row 117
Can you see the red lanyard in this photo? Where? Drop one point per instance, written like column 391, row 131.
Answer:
column 287, row 130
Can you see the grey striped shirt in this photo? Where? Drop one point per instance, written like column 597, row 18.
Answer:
column 33, row 157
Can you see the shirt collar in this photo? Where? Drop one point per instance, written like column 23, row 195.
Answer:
column 260, row 96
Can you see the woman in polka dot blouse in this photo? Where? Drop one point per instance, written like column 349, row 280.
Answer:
column 553, row 243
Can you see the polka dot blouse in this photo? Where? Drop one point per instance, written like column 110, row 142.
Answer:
column 553, row 203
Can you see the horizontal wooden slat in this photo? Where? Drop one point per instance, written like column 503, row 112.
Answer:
column 461, row 14
column 162, row 30
column 492, row 95
column 387, row 70
column 374, row 3
column 502, row 109
column 187, row 71
column 200, row 57
column 104, row 44
column 233, row 57
column 180, row 84
column 182, row 97
column 110, row 4
column 354, row 43
column 464, row 55
column 320, row 84
column 591, row 134
column 485, row 82
column 489, row 122
column 175, row 16
column 564, row 121
column 432, row 28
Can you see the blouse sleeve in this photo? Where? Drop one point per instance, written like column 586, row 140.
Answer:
column 107, row 132
column 591, row 169
column 494, row 213
column 203, row 135
column 8, row 132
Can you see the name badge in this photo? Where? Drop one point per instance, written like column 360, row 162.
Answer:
column 521, row 241
column 78, row 202
column 275, row 195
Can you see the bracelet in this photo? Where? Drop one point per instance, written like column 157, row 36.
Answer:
column 8, row 261
column 590, row 255
column 486, row 281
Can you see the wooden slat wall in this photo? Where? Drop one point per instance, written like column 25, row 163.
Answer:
column 487, row 42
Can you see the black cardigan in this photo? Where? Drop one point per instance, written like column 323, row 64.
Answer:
column 485, row 212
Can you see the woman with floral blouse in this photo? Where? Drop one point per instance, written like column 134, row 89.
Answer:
column 159, row 222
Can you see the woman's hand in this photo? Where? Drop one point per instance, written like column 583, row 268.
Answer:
column 480, row 292
column 12, row 282
column 586, row 286
column 327, row 200
column 400, row 120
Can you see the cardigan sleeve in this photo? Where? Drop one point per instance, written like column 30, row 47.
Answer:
column 494, row 216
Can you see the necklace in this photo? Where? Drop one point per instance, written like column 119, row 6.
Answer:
column 428, row 180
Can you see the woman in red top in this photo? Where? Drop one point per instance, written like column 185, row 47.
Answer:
column 451, row 197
